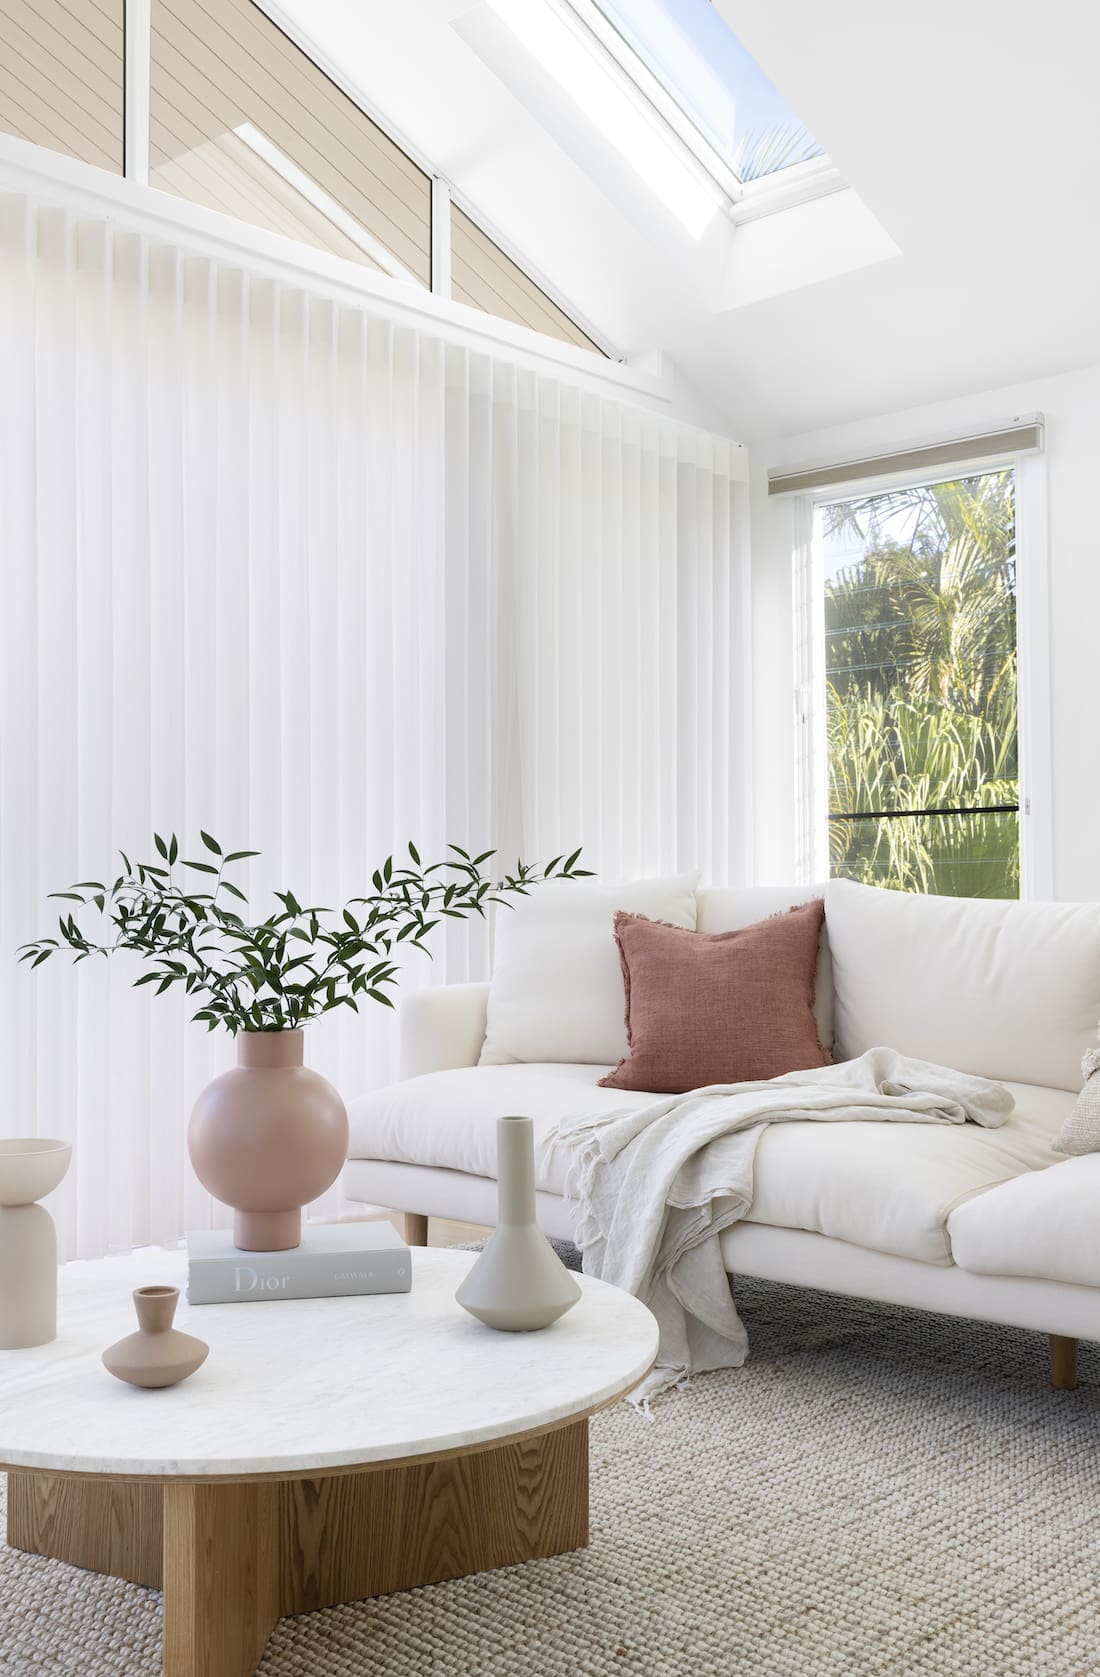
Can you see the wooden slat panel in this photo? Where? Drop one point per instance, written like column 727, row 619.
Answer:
column 482, row 275
column 235, row 85
column 61, row 76
column 101, row 18
column 76, row 47
column 45, row 116
column 225, row 175
column 301, row 79
column 217, row 69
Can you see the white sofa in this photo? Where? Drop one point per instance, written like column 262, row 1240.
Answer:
column 989, row 1224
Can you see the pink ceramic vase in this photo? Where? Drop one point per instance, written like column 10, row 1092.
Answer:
column 267, row 1138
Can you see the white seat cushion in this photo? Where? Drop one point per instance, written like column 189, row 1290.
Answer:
column 892, row 1187
column 1045, row 1224
column 889, row 1187
column 448, row 1118
column 1008, row 990
column 557, row 986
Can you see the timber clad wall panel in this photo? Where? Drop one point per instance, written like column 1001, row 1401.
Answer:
column 219, row 63
column 61, row 76
column 482, row 275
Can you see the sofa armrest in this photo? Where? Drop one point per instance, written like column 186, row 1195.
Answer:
column 439, row 1030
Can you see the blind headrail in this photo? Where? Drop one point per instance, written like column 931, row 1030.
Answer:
column 1021, row 435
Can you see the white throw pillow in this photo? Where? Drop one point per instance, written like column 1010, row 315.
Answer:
column 1006, row 990
column 557, row 987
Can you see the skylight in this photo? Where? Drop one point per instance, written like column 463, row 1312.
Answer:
column 688, row 46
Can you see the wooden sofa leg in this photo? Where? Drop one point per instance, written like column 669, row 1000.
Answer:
column 416, row 1233
column 1063, row 1363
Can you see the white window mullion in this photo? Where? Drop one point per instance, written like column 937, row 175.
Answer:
column 441, row 237
column 136, row 90
column 812, row 831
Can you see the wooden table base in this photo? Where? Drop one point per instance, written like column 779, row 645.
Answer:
column 233, row 1557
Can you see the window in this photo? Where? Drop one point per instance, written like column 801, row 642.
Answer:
column 61, row 77
column 482, row 275
column 689, row 46
column 243, row 121
column 920, row 713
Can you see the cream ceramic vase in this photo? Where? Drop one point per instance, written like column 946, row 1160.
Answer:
column 29, row 1170
column 267, row 1138
column 157, row 1354
column 518, row 1283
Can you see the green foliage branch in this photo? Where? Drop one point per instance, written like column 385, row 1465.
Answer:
column 302, row 961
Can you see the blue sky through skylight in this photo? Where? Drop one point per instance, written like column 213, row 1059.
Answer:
column 692, row 50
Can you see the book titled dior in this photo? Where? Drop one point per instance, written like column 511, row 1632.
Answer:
column 334, row 1261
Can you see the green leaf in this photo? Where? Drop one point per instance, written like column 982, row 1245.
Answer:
column 44, row 955
column 201, row 867
column 239, row 855
column 70, row 896
column 378, row 996
column 162, row 848
column 210, row 843
column 414, row 853
column 232, row 889
column 173, row 848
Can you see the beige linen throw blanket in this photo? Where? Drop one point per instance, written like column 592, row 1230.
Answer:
column 657, row 1186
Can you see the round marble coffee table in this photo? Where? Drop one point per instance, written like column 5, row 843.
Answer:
column 328, row 1449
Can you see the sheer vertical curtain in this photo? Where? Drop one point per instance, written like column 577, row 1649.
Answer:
column 319, row 584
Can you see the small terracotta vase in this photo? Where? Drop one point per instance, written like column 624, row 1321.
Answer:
column 519, row 1283
column 267, row 1138
column 29, row 1170
column 158, row 1354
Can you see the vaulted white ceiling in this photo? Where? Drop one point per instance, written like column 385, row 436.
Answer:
column 964, row 256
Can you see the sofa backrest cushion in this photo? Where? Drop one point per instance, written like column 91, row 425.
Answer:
column 726, row 910
column 1005, row 990
column 557, row 987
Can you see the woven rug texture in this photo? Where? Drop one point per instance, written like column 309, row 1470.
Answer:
column 878, row 1493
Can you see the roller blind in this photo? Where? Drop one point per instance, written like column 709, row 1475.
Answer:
column 1019, row 436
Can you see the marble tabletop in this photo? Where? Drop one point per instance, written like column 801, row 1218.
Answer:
column 295, row 1385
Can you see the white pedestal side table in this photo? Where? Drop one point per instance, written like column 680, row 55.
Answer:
column 329, row 1449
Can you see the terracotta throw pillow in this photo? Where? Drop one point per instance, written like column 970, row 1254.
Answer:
column 718, row 1007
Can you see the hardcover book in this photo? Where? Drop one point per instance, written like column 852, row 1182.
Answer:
column 334, row 1261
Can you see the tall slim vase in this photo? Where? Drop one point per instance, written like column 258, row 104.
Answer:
column 518, row 1283
column 29, row 1170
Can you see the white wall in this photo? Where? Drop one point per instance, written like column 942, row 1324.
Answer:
column 1071, row 404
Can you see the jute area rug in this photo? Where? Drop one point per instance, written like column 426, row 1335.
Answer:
column 877, row 1492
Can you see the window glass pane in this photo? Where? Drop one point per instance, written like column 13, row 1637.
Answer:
column 690, row 47
column 481, row 274
column 243, row 121
column 920, row 687
column 61, row 70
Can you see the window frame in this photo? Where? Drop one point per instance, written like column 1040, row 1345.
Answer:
column 1033, row 728
column 137, row 78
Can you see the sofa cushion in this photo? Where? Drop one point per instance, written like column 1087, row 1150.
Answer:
column 890, row 1187
column 448, row 1118
column 718, row 1007
column 557, row 989
column 727, row 909
column 1044, row 1224
column 1006, row 990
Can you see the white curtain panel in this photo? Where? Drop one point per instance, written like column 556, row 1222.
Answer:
column 318, row 583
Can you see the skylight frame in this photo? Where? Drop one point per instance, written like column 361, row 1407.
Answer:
column 744, row 200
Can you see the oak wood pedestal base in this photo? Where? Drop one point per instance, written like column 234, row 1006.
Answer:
column 234, row 1556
